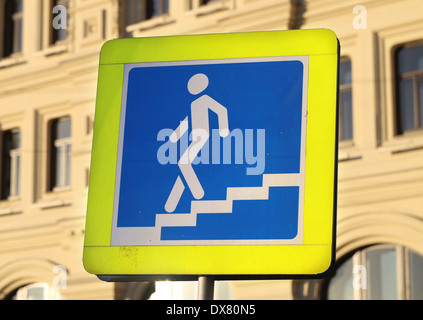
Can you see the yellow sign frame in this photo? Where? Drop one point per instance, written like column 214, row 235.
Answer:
column 314, row 257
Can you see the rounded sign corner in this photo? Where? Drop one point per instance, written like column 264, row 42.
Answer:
column 328, row 271
column 87, row 262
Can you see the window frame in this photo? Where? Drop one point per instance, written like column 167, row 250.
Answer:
column 17, row 18
column 54, row 35
column 49, row 42
column 200, row 8
column 403, row 270
column 49, row 292
column 15, row 170
column 59, row 181
column 361, row 258
column 345, row 88
column 22, row 293
column 398, row 78
column 144, row 23
column 143, row 15
column 17, row 30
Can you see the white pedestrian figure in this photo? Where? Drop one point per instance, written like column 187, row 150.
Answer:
column 200, row 134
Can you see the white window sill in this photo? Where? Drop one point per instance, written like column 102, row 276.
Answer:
column 347, row 151
column 14, row 198
column 10, row 206
column 48, row 204
column 57, row 48
column 8, row 211
column 62, row 188
column 345, row 144
column 13, row 60
column 408, row 141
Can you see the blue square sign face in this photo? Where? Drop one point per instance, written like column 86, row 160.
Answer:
column 211, row 153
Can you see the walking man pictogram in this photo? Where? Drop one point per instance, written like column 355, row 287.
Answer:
column 200, row 134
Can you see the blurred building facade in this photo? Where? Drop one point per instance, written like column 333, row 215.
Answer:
column 48, row 78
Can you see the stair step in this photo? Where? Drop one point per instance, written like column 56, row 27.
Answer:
column 176, row 219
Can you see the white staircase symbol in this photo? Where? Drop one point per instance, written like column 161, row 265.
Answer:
column 150, row 236
column 225, row 206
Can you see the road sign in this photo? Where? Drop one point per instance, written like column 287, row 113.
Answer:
column 214, row 154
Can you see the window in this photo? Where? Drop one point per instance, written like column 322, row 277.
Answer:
column 204, row 2
column 37, row 291
column 10, row 27
column 60, row 153
column 196, row 4
column 53, row 26
column 409, row 81
column 193, row 3
column 140, row 10
column 345, row 101
column 415, row 265
column 341, row 285
column 382, row 272
column 10, row 164
column 58, row 33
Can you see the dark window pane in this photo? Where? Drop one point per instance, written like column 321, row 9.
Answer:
column 341, row 285
column 18, row 176
column 16, row 139
column 10, row 141
column 345, row 72
column 6, row 164
column 19, row 5
column 36, row 293
column 59, row 169
column 406, row 104
column 151, row 8
column 346, row 115
column 139, row 10
column 410, row 59
column 68, row 164
column 59, row 34
column 382, row 274
column 60, row 130
column 133, row 11
column 156, row 8
column 166, row 6
column 416, row 276
column 8, row 27
column 63, row 128
column 18, row 36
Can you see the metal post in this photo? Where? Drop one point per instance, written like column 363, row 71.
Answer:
column 205, row 288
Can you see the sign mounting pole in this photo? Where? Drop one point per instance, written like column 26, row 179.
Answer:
column 205, row 287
